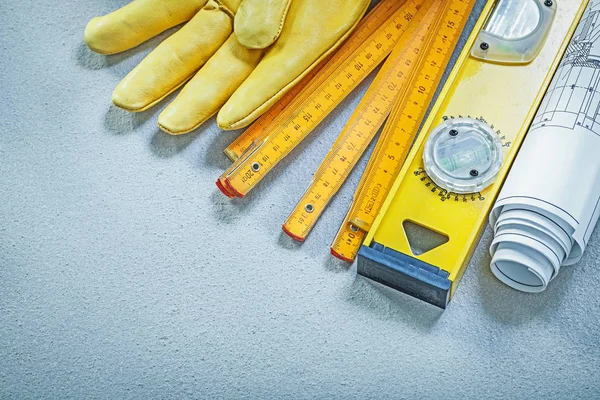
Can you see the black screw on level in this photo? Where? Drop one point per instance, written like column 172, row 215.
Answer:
column 474, row 172
column 453, row 132
column 484, row 46
column 548, row 3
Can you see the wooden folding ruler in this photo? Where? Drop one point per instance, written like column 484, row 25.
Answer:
column 480, row 118
column 401, row 128
column 279, row 131
column 395, row 76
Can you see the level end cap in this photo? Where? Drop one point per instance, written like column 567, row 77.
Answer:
column 404, row 273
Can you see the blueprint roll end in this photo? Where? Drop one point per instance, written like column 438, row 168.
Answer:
column 521, row 271
column 526, row 256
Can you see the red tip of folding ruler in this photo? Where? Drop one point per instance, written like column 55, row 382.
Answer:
column 290, row 234
column 341, row 257
column 224, row 190
column 232, row 190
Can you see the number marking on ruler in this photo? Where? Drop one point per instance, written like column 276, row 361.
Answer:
column 402, row 127
column 360, row 130
column 319, row 98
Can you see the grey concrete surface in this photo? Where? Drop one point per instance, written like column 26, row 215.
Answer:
column 124, row 273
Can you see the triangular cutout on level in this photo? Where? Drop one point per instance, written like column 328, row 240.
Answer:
column 422, row 239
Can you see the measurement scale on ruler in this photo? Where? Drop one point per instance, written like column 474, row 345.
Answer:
column 250, row 135
column 400, row 130
column 369, row 116
column 365, row 49
column 466, row 147
column 258, row 129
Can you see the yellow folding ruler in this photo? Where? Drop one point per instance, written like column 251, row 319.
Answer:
column 260, row 127
column 466, row 147
column 424, row 50
column 255, row 131
column 378, row 17
column 367, row 47
column 400, row 131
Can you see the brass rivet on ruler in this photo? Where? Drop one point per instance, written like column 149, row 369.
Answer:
column 255, row 167
column 309, row 208
column 484, row 46
column 353, row 228
column 453, row 132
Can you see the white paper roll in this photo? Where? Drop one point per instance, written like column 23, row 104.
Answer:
column 552, row 193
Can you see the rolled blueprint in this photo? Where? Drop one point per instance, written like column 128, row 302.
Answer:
column 549, row 204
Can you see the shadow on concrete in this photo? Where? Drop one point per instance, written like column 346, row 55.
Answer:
column 120, row 122
column 387, row 303
column 228, row 210
column 333, row 264
column 287, row 242
column 164, row 145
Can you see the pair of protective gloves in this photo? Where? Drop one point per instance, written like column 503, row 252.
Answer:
column 237, row 56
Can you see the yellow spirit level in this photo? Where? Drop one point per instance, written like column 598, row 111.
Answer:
column 450, row 180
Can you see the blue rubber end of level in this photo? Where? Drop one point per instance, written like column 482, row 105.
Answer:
column 405, row 273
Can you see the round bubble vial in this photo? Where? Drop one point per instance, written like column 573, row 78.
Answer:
column 463, row 155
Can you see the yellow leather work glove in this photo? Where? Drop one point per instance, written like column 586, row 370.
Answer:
column 241, row 55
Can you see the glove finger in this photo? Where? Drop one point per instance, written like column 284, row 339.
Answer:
column 258, row 23
column 137, row 22
column 174, row 61
column 210, row 88
column 230, row 5
column 313, row 29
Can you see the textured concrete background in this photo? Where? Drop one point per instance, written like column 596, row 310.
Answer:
column 125, row 274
